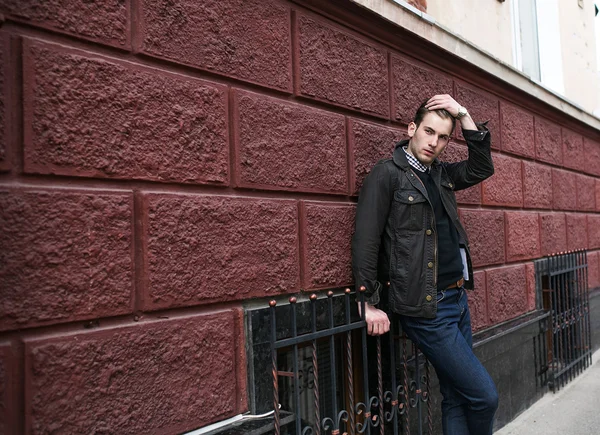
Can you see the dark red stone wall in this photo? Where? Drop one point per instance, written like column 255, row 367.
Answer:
column 163, row 162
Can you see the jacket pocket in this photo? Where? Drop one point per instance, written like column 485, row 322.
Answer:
column 409, row 207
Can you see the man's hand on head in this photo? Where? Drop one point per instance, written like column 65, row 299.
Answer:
column 446, row 102
column 377, row 320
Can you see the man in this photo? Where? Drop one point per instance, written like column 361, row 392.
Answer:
column 411, row 254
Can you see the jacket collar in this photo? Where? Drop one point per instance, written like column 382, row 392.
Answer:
column 400, row 159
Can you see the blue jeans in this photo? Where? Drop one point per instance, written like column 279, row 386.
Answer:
column 469, row 395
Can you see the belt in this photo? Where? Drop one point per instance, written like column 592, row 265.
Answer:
column 457, row 284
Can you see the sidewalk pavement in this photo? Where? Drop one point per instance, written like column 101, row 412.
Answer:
column 574, row 410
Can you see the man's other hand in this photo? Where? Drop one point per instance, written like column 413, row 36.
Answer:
column 378, row 322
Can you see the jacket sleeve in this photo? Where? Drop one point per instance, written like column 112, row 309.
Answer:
column 478, row 165
column 372, row 212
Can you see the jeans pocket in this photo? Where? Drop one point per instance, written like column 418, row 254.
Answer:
column 441, row 295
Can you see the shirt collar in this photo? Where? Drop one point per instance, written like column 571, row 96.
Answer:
column 414, row 162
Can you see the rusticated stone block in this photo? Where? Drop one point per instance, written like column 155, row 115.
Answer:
column 537, row 185
column 593, row 225
column 457, row 153
column 531, row 293
column 548, row 144
column 201, row 249
column 4, row 59
column 505, row 187
column 573, row 156
column 414, row 84
column 105, row 22
column 65, row 256
column 553, row 233
column 586, row 194
column 91, row 117
column 328, row 233
column 522, row 235
column 517, row 131
column 478, row 302
column 245, row 39
column 8, row 399
column 341, row 68
column 289, row 146
column 597, row 195
column 153, row 377
column 486, row 235
column 591, row 151
column 593, row 269
column 507, row 292
column 577, row 236
column 370, row 143
column 482, row 107
column 564, row 190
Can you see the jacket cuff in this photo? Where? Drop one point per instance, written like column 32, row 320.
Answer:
column 372, row 297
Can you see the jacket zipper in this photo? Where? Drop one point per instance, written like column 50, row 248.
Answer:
column 434, row 229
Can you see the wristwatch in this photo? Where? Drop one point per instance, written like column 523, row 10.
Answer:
column 461, row 112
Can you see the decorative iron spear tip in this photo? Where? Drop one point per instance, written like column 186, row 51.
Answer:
column 363, row 288
column 329, row 293
column 347, row 290
column 272, row 303
column 293, row 300
column 313, row 297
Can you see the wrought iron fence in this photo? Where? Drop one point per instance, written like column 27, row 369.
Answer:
column 332, row 367
column 564, row 292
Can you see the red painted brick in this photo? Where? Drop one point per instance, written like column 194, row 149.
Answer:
column 507, row 290
column 537, row 185
column 531, row 292
column 340, row 68
column 577, row 236
column 370, row 143
column 414, row 84
column 327, row 246
column 548, row 143
column 65, row 256
column 245, row 39
column 456, row 153
column 202, row 249
column 591, row 151
column 597, row 195
column 553, row 233
column 482, row 107
column 86, row 116
column 8, row 398
column 517, row 131
column 586, row 194
column 419, row 4
column 478, row 302
column 564, row 190
column 593, row 225
column 505, row 187
column 288, row 146
column 486, row 235
column 573, row 156
column 4, row 60
column 105, row 21
column 522, row 235
column 593, row 261
column 153, row 377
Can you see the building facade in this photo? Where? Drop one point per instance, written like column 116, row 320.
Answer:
column 167, row 167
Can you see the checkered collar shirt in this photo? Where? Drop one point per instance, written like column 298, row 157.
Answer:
column 414, row 162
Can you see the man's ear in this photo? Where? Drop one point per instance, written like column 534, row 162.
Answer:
column 412, row 127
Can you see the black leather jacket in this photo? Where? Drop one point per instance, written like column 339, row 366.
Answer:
column 395, row 242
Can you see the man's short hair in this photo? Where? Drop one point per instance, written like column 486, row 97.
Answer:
column 442, row 113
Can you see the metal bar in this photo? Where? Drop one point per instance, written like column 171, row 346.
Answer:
column 418, row 389
column 349, row 366
column 406, row 391
column 319, row 334
column 366, row 427
column 429, row 411
column 332, row 356
column 587, row 313
column 380, row 385
column 277, row 428
column 393, row 393
column 295, row 366
column 313, row 309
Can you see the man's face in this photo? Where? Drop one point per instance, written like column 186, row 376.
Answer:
column 429, row 139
